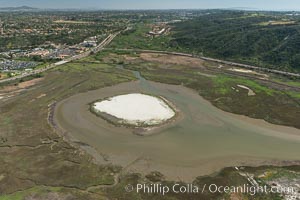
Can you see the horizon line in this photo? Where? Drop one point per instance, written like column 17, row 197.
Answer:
column 145, row 9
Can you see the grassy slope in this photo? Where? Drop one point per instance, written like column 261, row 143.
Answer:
column 240, row 36
column 229, row 35
column 137, row 38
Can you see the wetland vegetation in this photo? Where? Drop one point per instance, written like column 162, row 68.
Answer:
column 44, row 154
column 81, row 77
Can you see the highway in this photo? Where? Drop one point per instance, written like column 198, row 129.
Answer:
column 108, row 40
column 217, row 61
column 96, row 49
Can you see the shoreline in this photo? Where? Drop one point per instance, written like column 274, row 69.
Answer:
column 91, row 151
column 262, row 162
column 138, row 129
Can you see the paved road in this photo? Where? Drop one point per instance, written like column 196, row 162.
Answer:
column 107, row 40
column 96, row 49
column 218, row 61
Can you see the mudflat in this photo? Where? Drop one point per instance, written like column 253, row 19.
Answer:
column 135, row 109
column 203, row 141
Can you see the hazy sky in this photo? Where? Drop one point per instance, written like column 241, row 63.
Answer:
column 157, row 4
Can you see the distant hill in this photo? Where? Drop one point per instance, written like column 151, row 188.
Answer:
column 264, row 39
column 20, row 8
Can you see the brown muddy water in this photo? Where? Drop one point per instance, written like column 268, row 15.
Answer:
column 202, row 141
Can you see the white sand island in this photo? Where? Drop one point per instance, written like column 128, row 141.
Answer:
column 136, row 109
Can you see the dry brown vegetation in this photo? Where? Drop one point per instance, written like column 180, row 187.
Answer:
column 32, row 154
column 171, row 59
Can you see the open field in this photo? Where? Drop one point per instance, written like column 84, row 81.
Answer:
column 71, row 22
column 3, row 75
column 274, row 23
column 138, row 38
